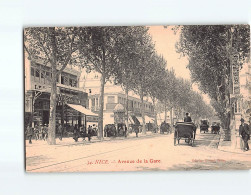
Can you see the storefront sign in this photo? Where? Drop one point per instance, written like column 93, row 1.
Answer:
column 235, row 74
column 91, row 119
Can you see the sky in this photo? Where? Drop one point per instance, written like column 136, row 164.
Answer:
column 165, row 40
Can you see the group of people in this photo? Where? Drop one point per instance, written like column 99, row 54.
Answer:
column 40, row 132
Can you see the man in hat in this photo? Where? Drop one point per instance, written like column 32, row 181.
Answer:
column 187, row 118
column 244, row 134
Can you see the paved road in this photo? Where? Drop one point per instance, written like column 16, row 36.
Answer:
column 152, row 152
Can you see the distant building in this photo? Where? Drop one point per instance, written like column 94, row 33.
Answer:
column 114, row 94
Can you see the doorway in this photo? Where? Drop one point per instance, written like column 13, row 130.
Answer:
column 46, row 115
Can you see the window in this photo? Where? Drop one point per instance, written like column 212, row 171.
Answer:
column 32, row 72
column 37, row 73
column 96, row 101
column 42, row 76
column 47, row 78
column 71, row 82
column 62, row 79
column 93, row 102
column 66, row 80
column 110, row 99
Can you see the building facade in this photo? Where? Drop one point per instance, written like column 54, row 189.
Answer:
column 114, row 94
column 37, row 95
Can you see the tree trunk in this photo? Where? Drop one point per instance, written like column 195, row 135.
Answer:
column 142, row 112
column 127, row 115
column 101, row 107
column 165, row 113
column 53, row 103
column 155, row 113
column 171, row 118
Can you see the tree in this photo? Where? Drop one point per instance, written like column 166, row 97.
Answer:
column 135, row 50
column 140, row 77
column 57, row 47
column 210, row 50
column 128, row 55
column 156, row 84
column 97, row 45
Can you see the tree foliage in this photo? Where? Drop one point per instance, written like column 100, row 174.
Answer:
column 209, row 50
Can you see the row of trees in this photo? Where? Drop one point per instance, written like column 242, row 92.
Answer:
column 124, row 54
column 210, row 50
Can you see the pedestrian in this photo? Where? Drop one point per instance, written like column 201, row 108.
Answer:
column 187, row 118
column 29, row 133
column 136, row 129
column 40, row 131
column 90, row 130
column 60, row 132
column 36, row 131
column 76, row 133
column 125, row 130
column 244, row 134
column 45, row 132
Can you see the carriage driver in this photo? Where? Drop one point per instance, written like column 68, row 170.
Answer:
column 187, row 118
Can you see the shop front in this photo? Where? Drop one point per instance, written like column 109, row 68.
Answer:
column 37, row 108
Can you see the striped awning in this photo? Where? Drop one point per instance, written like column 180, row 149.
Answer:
column 82, row 109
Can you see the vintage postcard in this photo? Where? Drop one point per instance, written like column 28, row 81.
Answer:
column 137, row 98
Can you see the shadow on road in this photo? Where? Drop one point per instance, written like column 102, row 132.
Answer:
column 216, row 164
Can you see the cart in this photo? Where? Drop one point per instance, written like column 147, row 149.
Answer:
column 186, row 131
column 204, row 126
column 215, row 128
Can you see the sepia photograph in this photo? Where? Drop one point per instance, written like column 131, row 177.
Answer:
column 137, row 98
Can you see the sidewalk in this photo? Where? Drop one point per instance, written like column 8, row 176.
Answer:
column 69, row 141
column 233, row 146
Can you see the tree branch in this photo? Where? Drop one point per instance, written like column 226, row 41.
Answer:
column 68, row 57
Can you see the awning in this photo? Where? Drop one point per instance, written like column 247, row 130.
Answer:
column 82, row 109
column 140, row 119
column 130, row 120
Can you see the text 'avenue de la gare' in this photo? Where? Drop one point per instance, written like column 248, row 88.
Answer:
column 152, row 161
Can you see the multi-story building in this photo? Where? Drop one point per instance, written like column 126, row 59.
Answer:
column 71, row 100
column 114, row 94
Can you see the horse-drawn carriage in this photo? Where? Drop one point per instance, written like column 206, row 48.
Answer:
column 110, row 130
column 185, row 130
column 204, row 125
column 151, row 127
column 215, row 128
column 82, row 134
column 165, row 127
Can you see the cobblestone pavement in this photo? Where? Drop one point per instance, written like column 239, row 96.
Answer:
column 148, row 152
